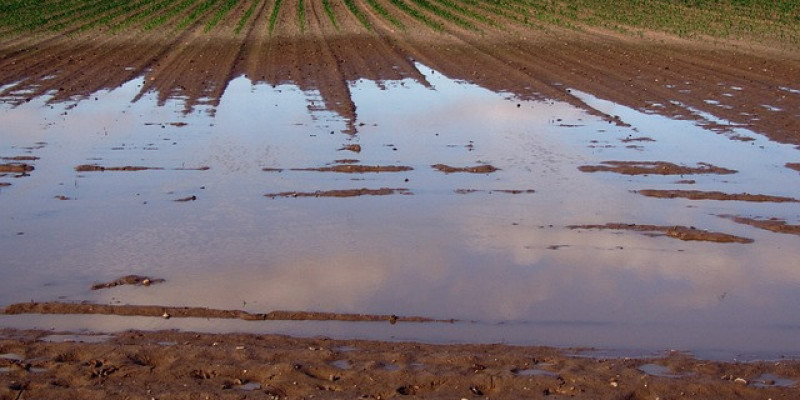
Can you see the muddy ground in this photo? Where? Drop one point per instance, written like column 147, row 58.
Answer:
column 751, row 86
column 173, row 365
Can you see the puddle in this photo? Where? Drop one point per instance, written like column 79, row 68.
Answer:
column 345, row 349
column 341, row 246
column 249, row 386
column 11, row 356
column 342, row 364
column 534, row 372
column 75, row 338
column 659, row 370
column 770, row 380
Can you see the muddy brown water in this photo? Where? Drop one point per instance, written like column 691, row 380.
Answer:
column 502, row 260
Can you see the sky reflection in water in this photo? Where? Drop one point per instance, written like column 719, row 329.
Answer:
column 486, row 256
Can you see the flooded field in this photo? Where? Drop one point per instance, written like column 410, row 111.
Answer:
column 527, row 220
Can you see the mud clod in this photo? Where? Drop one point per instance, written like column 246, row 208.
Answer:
column 714, row 195
column 478, row 169
column 654, row 168
column 135, row 280
column 678, row 232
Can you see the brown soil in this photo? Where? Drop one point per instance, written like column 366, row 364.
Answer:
column 136, row 280
column 772, row 224
column 530, row 60
column 16, row 168
column 21, row 158
column 478, row 169
column 94, row 168
column 794, row 166
column 510, row 191
column 703, row 195
column 359, row 169
column 342, row 193
column 199, row 312
column 677, row 232
column 176, row 365
column 654, row 168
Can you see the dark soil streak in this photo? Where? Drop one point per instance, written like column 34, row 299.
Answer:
column 714, row 195
column 654, row 168
column 677, row 232
column 199, row 312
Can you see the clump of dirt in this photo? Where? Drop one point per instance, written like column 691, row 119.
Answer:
column 186, row 199
column 16, row 168
column 186, row 365
column 654, row 168
column 62, row 198
column 21, row 158
column 776, row 225
column 200, row 312
column 346, row 161
column 794, row 166
column 270, row 169
column 99, row 168
column 507, row 191
column 714, row 195
column 4, row 184
column 478, row 169
column 342, row 193
column 678, row 232
column 359, row 169
column 355, row 148
column 136, row 280
column 637, row 139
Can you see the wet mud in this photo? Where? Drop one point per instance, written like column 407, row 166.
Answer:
column 99, row 168
column 655, row 168
column 134, row 280
column 478, row 169
column 200, row 312
column 506, row 191
column 357, row 169
column 794, row 166
column 179, row 365
column 776, row 225
column 342, row 193
column 677, row 232
column 15, row 168
column 715, row 195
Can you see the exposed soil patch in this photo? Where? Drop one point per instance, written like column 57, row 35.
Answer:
column 21, row 158
column 342, row 193
column 135, row 280
column 199, row 312
column 186, row 199
column 478, row 169
column 637, row 139
column 772, row 224
column 794, row 166
column 359, row 169
column 98, row 168
column 654, row 168
column 355, row 148
column 16, row 168
column 677, row 232
column 171, row 364
column 714, row 195
column 511, row 191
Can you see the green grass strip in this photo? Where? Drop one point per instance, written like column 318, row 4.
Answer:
column 221, row 13
column 358, row 14
column 301, row 15
column 110, row 17
column 134, row 19
column 163, row 18
column 273, row 17
column 246, row 17
column 195, row 14
column 443, row 13
column 329, row 11
column 417, row 15
column 385, row 14
column 459, row 8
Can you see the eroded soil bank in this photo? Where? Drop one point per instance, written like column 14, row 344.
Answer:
column 175, row 365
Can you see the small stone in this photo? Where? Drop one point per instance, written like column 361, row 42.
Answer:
column 166, row 315
column 740, row 380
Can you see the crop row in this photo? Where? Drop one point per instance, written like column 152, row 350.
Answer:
column 722, row 18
